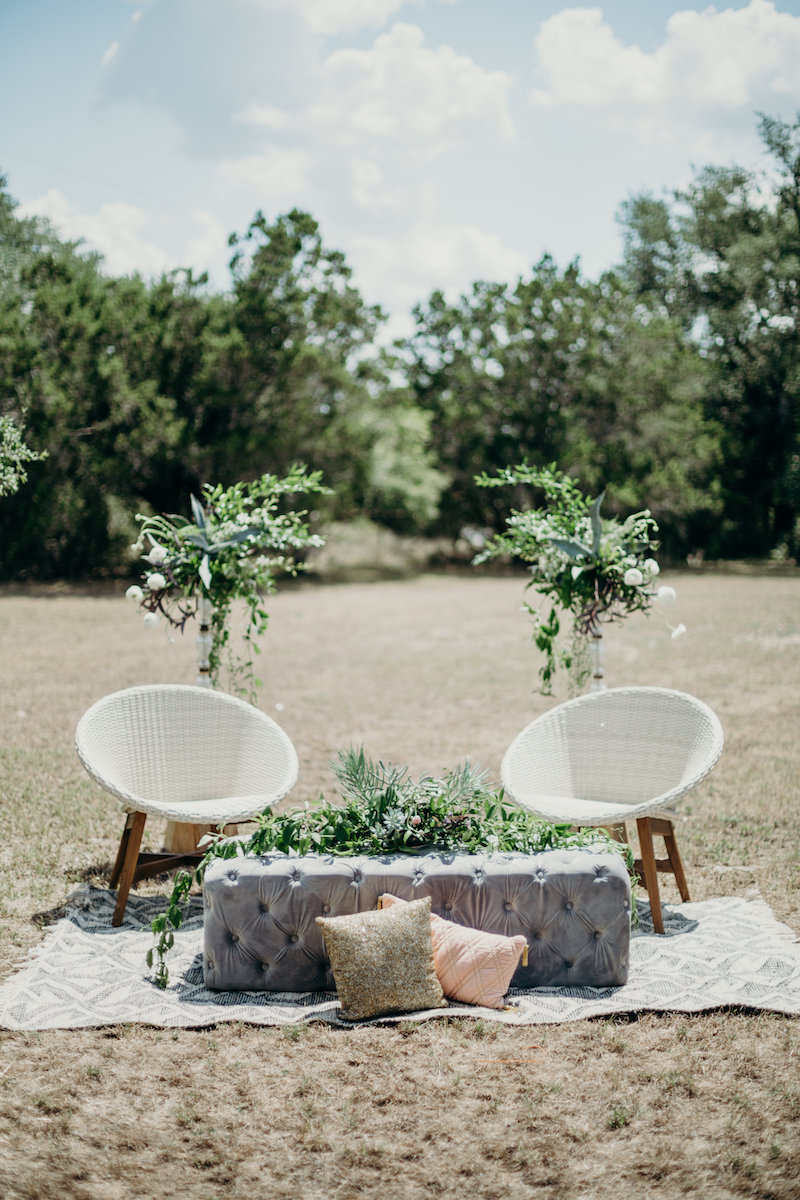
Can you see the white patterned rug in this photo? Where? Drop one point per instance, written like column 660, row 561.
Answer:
column 716, row 953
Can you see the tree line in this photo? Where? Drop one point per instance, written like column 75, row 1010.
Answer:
column 672, row 381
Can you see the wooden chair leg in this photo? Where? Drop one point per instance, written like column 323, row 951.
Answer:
column 665, row 829
column 650, row 871
column 129, row 850
column 113, row 879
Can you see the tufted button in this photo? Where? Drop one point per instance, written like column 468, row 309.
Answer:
column 567, row 964
column 232, row 873
column 537, row 937
column 448, row 908
column 234, row 937
column 265, row 966
column 294, row 938
column 326, row 908
column 597, row 934
column 264, row 908
column 508, row 906
column 569, row 906
column 357, row 876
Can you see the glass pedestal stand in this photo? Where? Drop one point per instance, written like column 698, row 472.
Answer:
column 597, row 654
column 182, row 838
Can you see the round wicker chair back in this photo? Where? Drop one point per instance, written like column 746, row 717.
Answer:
column 187, row 753
column 198, row 757
column 612, row 755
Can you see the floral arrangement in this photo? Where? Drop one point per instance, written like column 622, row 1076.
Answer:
column 384, row 810
column 592, row 568
column 232, row 549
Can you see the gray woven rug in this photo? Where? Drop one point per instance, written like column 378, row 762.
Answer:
column 715, row 953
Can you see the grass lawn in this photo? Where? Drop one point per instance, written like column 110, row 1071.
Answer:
column 425, row 672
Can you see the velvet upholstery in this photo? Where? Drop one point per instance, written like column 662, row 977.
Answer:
column 573, row 908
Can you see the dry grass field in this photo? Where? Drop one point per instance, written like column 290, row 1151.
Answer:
column 427, row 672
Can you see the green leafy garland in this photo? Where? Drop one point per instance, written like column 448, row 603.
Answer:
column 383, row 810
column 592, row 568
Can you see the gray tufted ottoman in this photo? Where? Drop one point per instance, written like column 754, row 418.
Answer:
column 573, row 907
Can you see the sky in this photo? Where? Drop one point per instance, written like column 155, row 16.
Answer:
column 436, row 142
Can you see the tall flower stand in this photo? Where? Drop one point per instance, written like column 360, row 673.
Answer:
column 597, row 654
column 181, row 838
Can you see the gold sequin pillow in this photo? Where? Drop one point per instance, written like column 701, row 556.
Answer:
column 382, row 961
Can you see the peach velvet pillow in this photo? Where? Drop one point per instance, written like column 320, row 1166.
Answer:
column 473, row 967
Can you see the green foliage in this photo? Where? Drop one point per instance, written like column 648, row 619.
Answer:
column 724, row 258
column 14, row 454
column 384, row 810
column 592, row 569
column 561, row 368
column 234, row 548
column 674, row 381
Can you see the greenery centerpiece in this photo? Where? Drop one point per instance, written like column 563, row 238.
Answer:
column 590, row 568
column 383, row 809
column 232, row 549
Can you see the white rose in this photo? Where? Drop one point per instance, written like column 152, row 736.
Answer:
column 157, row 555
column 151, row 620
column 134, row 592
column 666, row 595
column 156, row 581
column 651, row 566
column 633, row 577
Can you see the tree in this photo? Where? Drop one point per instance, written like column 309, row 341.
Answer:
column 73, row 359
column 724, row 259
column 561, row 369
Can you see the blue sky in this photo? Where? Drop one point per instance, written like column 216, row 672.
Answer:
column 436, row 141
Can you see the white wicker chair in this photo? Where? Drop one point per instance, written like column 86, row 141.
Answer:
column 614, row 756
column 190, row 754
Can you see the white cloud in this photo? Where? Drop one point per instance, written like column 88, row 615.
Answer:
column 349, row 16
column 331, row 17
column 263, row 116
column 115, row 230
column 278, row 174
column 369, row 187
column 402, row 270
column 207, row 248
column 401, row 91
column 111, row 53
column 711, row 65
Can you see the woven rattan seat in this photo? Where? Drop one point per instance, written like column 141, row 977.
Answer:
column 191, row 754
column 614, row 756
